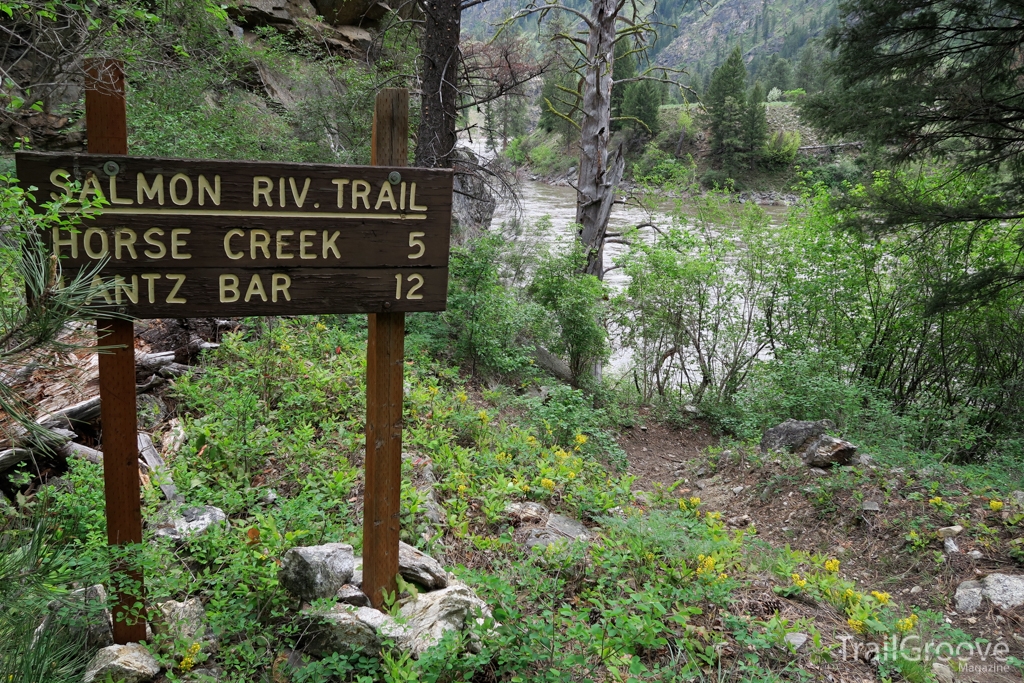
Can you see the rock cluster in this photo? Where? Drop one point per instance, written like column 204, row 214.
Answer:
column 351, row 625
column 811, row 441
column 1005, row 591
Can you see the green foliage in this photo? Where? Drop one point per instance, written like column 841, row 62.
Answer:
column 640, row 106
column 486, row 316
column 781, row 149
column 574, row 304
column 658, row 169
column 623, row 67
column 756, row 127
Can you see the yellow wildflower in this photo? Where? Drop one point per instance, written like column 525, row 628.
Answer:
column 832, row 565
column 723, row 577
column 525, row 487
column 907, row 624
column 285, row 346
column 483, row 417
column 559, row 453
column 797, row 581
column 995, row 505
column 462, row 397
column 570, row 475
column 649, row 557
column 189, row 660
column 463, row 488
column 548, row 484
column 856, row 624
column 321, row 327
column 937, row 500
column 432, row 391
column 581, row 439
column 881, row 597
column 694, row 501
column 532, row 440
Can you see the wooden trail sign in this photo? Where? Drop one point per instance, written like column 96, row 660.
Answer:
column 184, row 238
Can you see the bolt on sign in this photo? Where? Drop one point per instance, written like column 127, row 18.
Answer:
column 186, row 238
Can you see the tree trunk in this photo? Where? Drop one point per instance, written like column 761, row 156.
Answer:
column 439, row 98
column 599, row 175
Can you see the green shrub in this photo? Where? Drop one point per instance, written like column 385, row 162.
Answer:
column 781, row 149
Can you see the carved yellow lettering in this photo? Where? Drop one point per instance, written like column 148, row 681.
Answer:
column 340, row 182
column 125, row 237
column 142, row 187
column 261, row 187
column 259, row 239
column 72, row 242
column 255, row 287
column 386, row 194
column 228, row 288
column 151, row 279
column 114, row 199
column 233, row 255
column 280, row 284
column 120, row 286
column 412, row 199
column 212, row 192
column 298, row 198
column 91, row 186
column 150, row 239
column 331, row 244
column 177, row 244
column 87, row 242
column 360, row 190
column 179, row 280
column 173, row 185
column 305, row 244
column 281, row 243
column 99, row 287
column 58, row 177
column 280, row 191
column 401, row 196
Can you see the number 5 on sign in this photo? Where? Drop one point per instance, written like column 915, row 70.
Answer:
column 415, row 279
column 414, row 241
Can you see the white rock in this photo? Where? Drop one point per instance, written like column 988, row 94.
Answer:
column 870, row 506
column 429, row 615
column 340, row 630
column 943, row 674
column 796, row 639
column 526, row 511
column 975, row 555
column 1018, row 498
column 317, row 571
column 191, row 522
column 420, row 568
column 915, row 590
column 950, row 546
column 1003, row 590
column 737, row 490
column 183, row 621
column 131, row 663
column 950, row 531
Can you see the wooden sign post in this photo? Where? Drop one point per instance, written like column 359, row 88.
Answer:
column 184, row 238
column 385, row 362
column 106, row 122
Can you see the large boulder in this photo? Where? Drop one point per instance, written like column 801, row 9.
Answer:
column 85, row 614
column 428, row 616
column 792, row 435
column 317, row 571
column 131, row 663
column 826, row 451
column 1005, row 591
column 345, row 628
column 278, row 13
column 351, row 12
column 182, row 621
column 420, row 568
column 558, row 529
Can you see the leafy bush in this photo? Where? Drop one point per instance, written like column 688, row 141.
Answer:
column 781, row 149
column 485, row 316
column 575, row 310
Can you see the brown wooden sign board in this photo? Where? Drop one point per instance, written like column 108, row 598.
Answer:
column 188, row 238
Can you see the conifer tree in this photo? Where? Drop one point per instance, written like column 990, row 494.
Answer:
column 756, row 128
column 623, row 67
column 643, row 98
column 726, row 105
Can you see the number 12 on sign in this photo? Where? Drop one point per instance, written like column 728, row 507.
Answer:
column 414, row 279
